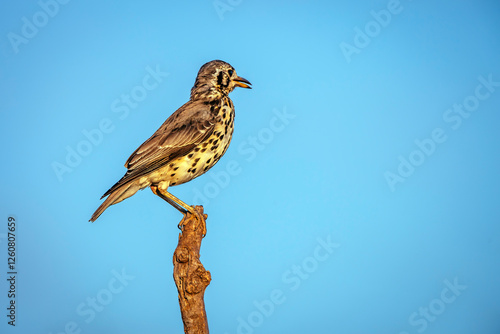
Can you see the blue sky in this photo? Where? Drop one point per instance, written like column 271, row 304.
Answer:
column 359, row 194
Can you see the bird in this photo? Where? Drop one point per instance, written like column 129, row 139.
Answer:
column 190, row 142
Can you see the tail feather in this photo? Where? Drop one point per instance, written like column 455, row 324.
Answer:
column 122, row 182
column 116, row 196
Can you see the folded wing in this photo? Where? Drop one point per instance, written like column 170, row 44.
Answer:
column 189, row 126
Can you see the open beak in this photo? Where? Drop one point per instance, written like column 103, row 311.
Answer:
column 242, row 82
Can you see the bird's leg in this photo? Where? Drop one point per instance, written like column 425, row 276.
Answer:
column 172, row 200
column 179, row 205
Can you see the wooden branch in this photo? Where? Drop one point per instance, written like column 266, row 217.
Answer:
column 190, row 276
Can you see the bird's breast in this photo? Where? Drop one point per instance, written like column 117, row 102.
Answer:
column 206, row 154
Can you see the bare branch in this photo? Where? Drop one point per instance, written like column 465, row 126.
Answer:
column 190, row 276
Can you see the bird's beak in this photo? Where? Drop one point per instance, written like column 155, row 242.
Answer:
column 242, row 82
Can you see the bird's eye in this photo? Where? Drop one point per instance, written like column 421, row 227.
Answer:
column 230, row 73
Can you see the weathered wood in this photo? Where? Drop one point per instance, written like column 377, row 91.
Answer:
column 190, row 276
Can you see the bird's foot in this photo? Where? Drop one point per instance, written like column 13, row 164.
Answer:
column 200, row 217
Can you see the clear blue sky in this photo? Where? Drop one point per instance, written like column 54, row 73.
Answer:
column 359, row 195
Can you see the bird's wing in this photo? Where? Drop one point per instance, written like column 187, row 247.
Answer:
column 186, row 128
column 181, row 132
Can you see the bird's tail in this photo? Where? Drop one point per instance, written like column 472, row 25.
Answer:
column 116, row 196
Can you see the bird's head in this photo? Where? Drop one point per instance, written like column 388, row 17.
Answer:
column 216, row 79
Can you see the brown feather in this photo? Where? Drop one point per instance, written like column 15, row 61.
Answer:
column 189, row 126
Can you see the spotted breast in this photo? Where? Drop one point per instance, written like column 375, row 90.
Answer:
column 206, row 154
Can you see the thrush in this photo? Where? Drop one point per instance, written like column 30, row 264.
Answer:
column 187, row 144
